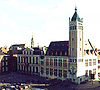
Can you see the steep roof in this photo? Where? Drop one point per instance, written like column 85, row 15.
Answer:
column 76, row 17
column 18, row 45
column 58, row 46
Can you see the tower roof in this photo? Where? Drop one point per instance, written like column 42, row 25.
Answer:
column 75, row 17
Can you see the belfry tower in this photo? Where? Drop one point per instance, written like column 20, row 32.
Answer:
column 76, row 47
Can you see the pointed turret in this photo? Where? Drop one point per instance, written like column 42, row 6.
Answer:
column 76, row 17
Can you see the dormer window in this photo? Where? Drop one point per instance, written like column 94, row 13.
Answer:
column 91, row 51
column 87, row 51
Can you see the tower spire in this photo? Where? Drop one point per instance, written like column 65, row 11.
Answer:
column 32, row 42
column 75, row 9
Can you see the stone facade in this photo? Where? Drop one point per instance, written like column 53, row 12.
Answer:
column 74, row 59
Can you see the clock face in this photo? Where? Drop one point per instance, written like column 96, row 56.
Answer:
column 42, row 57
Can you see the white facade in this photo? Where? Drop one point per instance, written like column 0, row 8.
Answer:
column 28, row 63
column 80, row 52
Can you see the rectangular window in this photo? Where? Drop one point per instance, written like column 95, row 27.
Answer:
column 98, row 67
column 36, row 69
column 55, row 72
column 6, row 63
column 64, row 63
column 33, row 69
column 47, row 71
column 64, row 73
column 84, row 52
column 72, row 49
column 70, row 60
column 36, row 60
column 42, row 70
column 94, row 71
column 30, row 52
column 30, row 60
column 51, row 72
column 33, row 60
column 47, row 62
column 72, row 39
column 20, row 67
column 23, row 60
column 99, row 75
column 2, row 63
column 94, row 61
column 98, row 61
column 60, row 62
column 86, row 63
column 55, row 62
column 6, row 58
column 23, row 68
column 26, row 59
column 80, row 60
column 90, row 62
column 28, row 68
column 3, row 69
column 19, row 59
column 6, row 68
column 42, row 63
column 51, row 62
column 60, row 73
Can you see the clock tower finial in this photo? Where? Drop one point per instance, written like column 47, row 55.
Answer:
column 75, row 9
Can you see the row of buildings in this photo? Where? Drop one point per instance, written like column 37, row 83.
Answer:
column 75, row 59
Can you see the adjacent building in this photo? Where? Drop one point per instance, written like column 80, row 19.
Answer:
column 55, row 63
column 28, row 62
column 8, row 64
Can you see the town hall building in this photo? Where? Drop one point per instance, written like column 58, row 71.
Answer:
column 75, row 59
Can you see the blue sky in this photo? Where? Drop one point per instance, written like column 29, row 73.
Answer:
column 48, row 20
